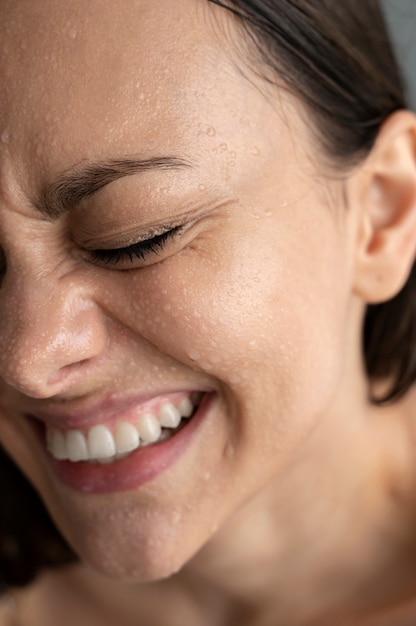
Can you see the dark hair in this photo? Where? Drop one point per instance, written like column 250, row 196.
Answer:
column 336, row 58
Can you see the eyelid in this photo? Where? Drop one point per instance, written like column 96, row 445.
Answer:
column 138, row 247
column 138, row 250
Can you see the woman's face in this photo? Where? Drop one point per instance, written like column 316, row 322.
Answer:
column 125, row 120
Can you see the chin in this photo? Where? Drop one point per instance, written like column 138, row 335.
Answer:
column 146, row 562
column 135, row 545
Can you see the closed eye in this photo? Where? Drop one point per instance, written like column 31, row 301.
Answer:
column 136, row 251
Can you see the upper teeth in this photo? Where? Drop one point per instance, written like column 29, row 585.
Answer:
column 101, row 444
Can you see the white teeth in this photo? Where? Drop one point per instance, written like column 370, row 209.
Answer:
column 169, row 416
column 100, row 445
column 186, row 407
column 57, row 445
column 76, row 446
column 126, row 438
column 100, row 442
column 149, row 428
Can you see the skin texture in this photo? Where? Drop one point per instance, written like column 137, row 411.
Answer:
column 260, row 301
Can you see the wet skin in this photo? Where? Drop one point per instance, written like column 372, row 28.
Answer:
column 253, row 300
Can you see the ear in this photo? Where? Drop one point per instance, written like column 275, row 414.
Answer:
column 383, row 189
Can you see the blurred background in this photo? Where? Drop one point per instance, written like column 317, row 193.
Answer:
column 401, row 17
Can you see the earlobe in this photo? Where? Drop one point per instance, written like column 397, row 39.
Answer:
column 384, row 191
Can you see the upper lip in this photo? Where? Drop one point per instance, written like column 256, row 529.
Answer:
column 84, row 413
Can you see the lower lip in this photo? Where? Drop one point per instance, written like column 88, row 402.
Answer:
column 139, row 468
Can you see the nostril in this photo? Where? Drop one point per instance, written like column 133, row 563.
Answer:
column 60, row 375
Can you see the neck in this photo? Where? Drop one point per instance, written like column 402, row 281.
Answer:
column 313, row 539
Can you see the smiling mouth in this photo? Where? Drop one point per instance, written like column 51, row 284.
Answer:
column 102, row 444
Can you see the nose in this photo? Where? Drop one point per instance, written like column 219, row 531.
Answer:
column 51, row 330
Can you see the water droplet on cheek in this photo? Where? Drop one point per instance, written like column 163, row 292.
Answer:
column 176, row 517
column 5, row 136
column 229, row 451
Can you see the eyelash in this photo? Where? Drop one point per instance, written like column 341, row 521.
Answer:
column 139, row 250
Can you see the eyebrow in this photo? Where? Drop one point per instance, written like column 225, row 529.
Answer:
column 67, row 191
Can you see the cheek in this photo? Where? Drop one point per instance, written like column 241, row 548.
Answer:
column 264, row 316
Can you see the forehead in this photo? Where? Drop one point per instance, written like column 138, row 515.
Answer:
column 110, row 41
column 99, row 70
column 90, row 81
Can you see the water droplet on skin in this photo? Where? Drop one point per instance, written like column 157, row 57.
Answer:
column 202, row 187
column 5, row 136
column 194, row 355
column 229, row 451
column 73, row 33
column 210, row 131
column 255, row 151
column 176, row 517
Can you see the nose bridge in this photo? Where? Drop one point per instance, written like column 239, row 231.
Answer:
column 47, row 327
